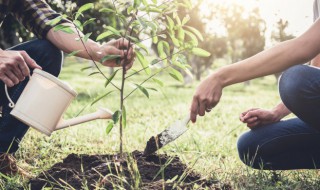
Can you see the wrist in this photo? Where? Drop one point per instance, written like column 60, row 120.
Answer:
column 94, row 50
column 222, row 76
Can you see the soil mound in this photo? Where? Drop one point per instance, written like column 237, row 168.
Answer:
column 134, row 172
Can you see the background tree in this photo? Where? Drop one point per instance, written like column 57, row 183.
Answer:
column 12, row 32
column 280, row 35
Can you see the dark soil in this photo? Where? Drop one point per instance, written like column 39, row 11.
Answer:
column 153, row 145
column 106, row 172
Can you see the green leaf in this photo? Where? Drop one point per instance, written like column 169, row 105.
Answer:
column 124, row 117
column 133, row 39
column 55, row 21
column 195, row 31
column 161, row 50
column 200, row 52
column 155, row 61
column 129, row 9
column 116, row 116
column 91, row 20
column 170, row 23
column 144, row 2
column 104, row 35
column 176, row 74
column 100, row 97
column 110, row 78
column 155, row 39
column 185, row 20
column 86, row 37
column 143, row 62
column 74, row 53
column 194, row 39
column 140, row 45
column 154, row 10
column 107, row 10
column 181, row 34
column 86, row 68
column 93, row 73
column 175, row 41
column 143, row 90
column 66, row 29
column 109, row 57
column 113, row 30
column 85, row 7
column 152, row 89
column 159, row 82
column 78, row 24
column 109, row 127
column 154, row 1
column 178, row 20
column 136, row 3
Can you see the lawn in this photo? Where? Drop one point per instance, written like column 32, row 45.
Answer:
column 209, row 146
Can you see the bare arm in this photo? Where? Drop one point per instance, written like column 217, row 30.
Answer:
column 70, row 42
column 297, row 51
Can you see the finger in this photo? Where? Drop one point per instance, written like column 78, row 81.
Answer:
column 251, row 120
column 252, row 109
column 30, row 61
column 202, row 108
column 249, row 115
column 130, row 54
column 129, row 65
column 12, row 77
column 7, row 81
column 17, row 71
column 122, row 43
column 116, row 51
column 194, row 109
column 254, row 124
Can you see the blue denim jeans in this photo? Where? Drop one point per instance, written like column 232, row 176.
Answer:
column 50, row 59
column 292, row 143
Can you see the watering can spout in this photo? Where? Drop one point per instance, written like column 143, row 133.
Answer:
column 101, row 113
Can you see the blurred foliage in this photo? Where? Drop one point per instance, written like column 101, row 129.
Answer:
column 245, row 30
column 13, row 32
column 280, row 35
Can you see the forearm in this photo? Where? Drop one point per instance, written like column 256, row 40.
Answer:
column 316, row 61
column 71, row 42
column 280, row 111
column 265, row 63
column 297, row 51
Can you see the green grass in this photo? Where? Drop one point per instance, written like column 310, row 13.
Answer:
column 209, row 146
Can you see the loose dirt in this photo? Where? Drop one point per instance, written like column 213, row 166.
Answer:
column 135, row 171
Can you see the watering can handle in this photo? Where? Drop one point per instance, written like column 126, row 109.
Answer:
column 11, row 104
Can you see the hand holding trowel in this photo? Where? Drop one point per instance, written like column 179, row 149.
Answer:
column 168, row 135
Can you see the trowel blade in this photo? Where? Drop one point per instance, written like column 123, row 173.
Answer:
column 170, row 134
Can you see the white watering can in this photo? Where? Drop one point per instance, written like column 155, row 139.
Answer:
column 43, row 102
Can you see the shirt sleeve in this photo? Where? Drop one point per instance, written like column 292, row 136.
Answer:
column 35, row 15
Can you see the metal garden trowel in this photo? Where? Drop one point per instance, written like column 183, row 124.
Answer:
column 168, row 135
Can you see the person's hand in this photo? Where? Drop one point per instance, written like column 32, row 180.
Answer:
column 116, row 47
column 14, row 66
column 256, row 116
column 206, row 97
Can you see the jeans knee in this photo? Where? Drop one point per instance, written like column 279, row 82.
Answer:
column 51, row 57
column 293, row 85
column 248, row 150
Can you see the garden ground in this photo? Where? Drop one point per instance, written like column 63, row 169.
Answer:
column 209, row 147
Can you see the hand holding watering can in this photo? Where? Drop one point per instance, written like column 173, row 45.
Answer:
column 43, row 102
